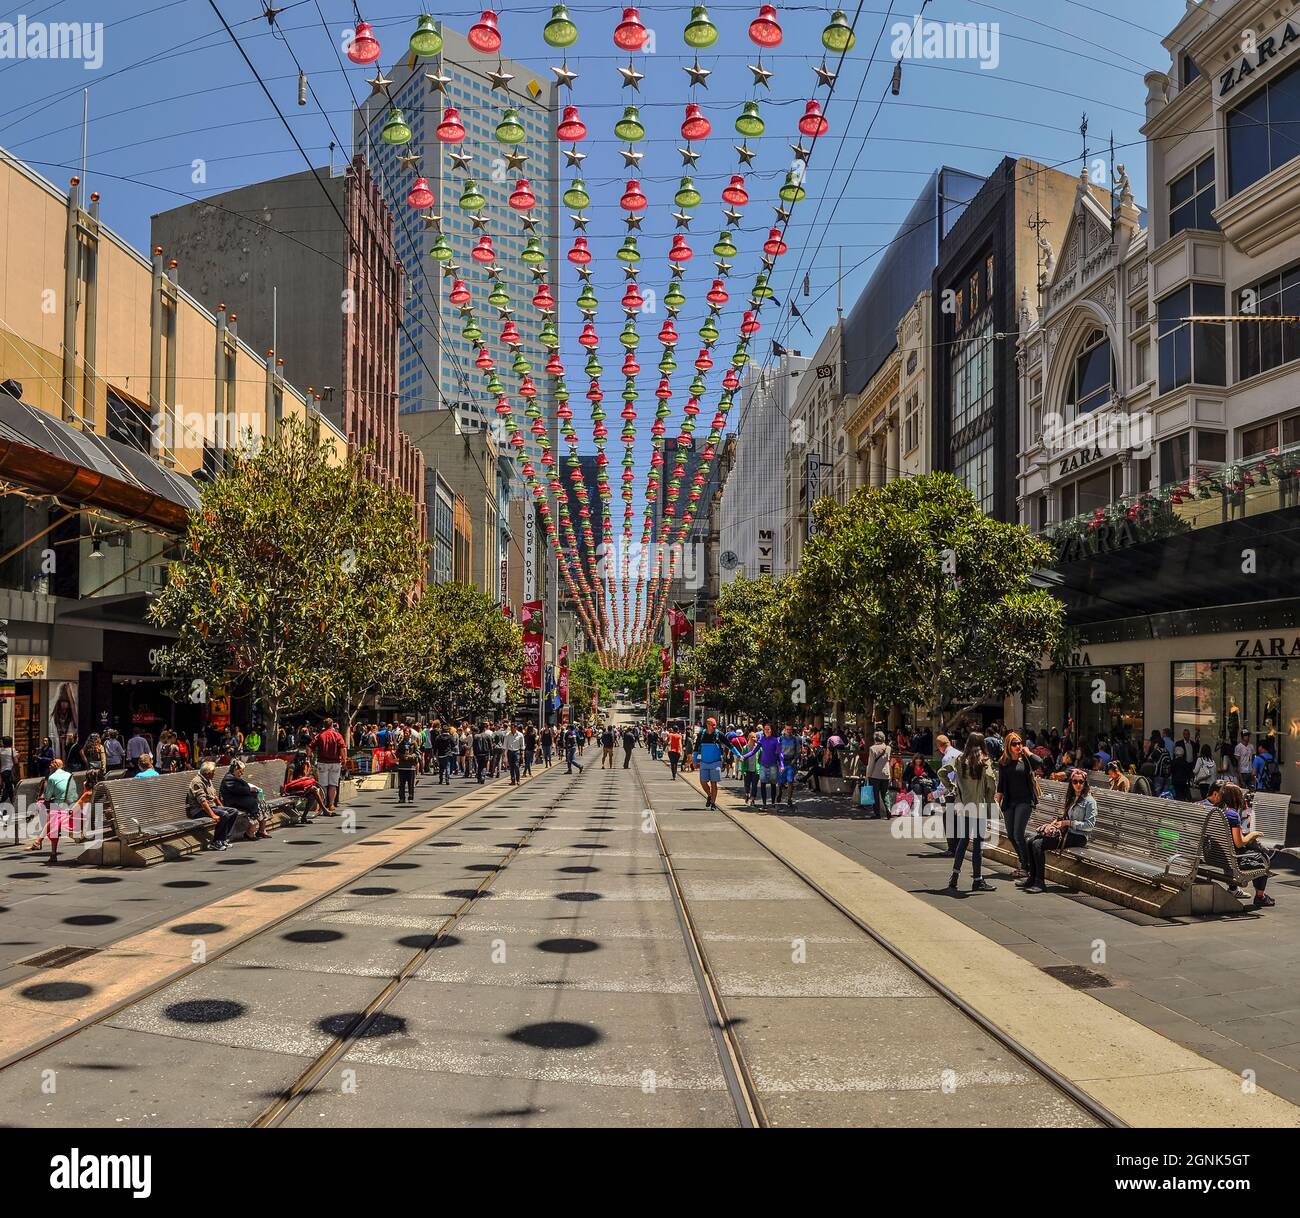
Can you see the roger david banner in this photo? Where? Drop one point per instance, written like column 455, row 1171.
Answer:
column 564, row 675
column 532, row 661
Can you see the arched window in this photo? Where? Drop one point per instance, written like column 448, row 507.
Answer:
column 1092, row 379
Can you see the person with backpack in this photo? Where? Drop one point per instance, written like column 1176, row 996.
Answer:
column 629, row 743
column 482, row 748
column 426, row 748
column 444, row 749
column 607, row 739
column 406, row 748
column 571, row 738
column 790, row 747
column 1267, row 772
column 709, row 746
column 1203, row 773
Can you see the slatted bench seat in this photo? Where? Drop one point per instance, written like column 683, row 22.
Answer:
column 20, row 817
column 1145, row 853
column 1268, row 814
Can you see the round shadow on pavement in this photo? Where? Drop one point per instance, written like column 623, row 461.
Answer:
column 420, row 942
column 590, row 846
column 28, row 875
column 318, row 863
column 371, row 892
column 197, row 928
column 241, row 863
column 304, row 841
column 443, row 845
column 56, row 991
column 399, row 866
column 465, row 894
column 482, row 867
column 205, row 1010
column 578, row 870
column 101, row 879
column 188, row 884
column 276, row 888
column 556, row 1034
column 312, row 936
column 90, row 920
column 578, row 896
column 566, row 947
column 345, row 1023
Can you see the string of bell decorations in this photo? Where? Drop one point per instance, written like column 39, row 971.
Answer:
column 621, row 626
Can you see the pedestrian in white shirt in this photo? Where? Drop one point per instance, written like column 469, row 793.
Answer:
column 1245, row 757
column 514, row 744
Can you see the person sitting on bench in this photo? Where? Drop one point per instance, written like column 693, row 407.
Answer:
column 1232, row 799
column 1078, row 818
column 300, row 782
column 202, row 800
column 237, row 792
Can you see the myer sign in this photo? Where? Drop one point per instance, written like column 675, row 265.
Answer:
column 1257, row 53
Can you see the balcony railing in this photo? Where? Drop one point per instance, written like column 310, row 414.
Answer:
column 1213, row 495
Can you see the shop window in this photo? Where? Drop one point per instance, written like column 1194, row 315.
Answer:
column 1191, row 352
column 1211, row 448
column 1188, row 70
column 1262, row 131
column 1175, row 459
column 1291, row 431
column 1144, row 474
column 1092, row 492
column 1269, row 344
column 1067, row 502
column 1191, row 199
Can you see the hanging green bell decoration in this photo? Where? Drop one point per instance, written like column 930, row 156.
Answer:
column 663, row 410
column 709, row 331
column 396, row 129
column 510, row 130
column 630, row 127
column 441, row 249
column 494, row 385
column 593, row 367
column 698, row 386
column 426, row 41
column 533, row 253
column 761, row 289
column 471, row 198
column 576, row 196
column 674, row 298
column 668, row 365
column 724, row 247
column 687, row 195
column 587, row 300
column 629, row 337
column 628, row 251
column 629, row 391
column 791, row 190
column 498, row 297
column 750, row 121
column 471, row 333
column 700, row 32
column 549, row 337
column 520, row 367
column 560, row 30
column 838, row 36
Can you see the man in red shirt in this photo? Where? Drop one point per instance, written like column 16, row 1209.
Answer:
column 329, row 749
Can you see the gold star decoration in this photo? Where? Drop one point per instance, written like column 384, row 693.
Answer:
column 573, row 157
column 631, row 158
column 782, row 214
column 479, row 223
column 633, row 221
column 733, row 217
column 528, row 222
column 459, row 160
column 565, row 77
column 689, row 157
column 430, row 220
column 437, row 82
column 761, row 74
column 409, row 160
column 745, row 152
column 724, row 267
column 824, row 75
column 515, row 158
column 683, row 220
column 697, row 74
column 631, row 77
column 500, row 79
column 580, row 222
column 800, row 152
column 379, row 84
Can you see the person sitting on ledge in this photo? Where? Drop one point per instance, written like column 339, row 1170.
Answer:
column 237, row 792
column 1078, row 818
column 1232, row 799
column 146, row 770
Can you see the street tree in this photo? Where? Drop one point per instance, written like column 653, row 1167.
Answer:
column 909, row 595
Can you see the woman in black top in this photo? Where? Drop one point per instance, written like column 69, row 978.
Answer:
column 1017, row 793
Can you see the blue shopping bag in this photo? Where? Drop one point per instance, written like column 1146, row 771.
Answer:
column 866, row 795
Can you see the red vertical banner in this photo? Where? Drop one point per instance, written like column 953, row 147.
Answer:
column 564, row 675
column 665, row 658
column 530, row 618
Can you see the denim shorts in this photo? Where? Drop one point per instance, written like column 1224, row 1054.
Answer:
column 769, row 773
column 787, row 775
column 710, row 773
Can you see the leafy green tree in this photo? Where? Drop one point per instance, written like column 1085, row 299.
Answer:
column 908, row 594
column 587, row 676
column 465, row 656
column 293, row 570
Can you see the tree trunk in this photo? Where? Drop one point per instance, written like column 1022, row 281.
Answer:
column 273, row 725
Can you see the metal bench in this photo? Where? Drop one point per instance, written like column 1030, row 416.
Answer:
column 1220, row 858
column 26, row 794
column 1268, row 814
column 1145, row 853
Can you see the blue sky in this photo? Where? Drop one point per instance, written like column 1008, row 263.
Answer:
column 172, row 89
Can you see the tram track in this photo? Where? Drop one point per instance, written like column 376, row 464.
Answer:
column 741, row 1079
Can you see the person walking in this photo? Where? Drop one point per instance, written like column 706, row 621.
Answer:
column 570, row 740
column 629, row 743
column 329, row 748
column 1018, row 795
column 514, row 741
column 709, row 746
column 484, row 743
column 444, row 749
column 607, row 739
column 977, row 792
column 548, row 745
column 789, row 764
column 530, row 749
column 745, row 751
column 674, row 749
column 406, row 748
column 878, row 774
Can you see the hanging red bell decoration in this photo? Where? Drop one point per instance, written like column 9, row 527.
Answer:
column 657, row 430
column 579, row 254
column 503, row 405
column 633, row 198
column 630, row 34
column 564, row 411
column 451, row 130
column 717, row 294
column 542, row 298
column 632, row 299
column 364, row 47
column 484, row 360
column 665, row 390
column 628, row 411
column 539, row 429
column 483, row 34
column 813, row 122
column 526, row 388
column 681, row 252
column 692, row 407
column 510, row 334
column 459, row 293
column 588, row 337
column 483, row 252
column 522, row 198
column 774, row 245
column 600, row 431
column 695, row 126
column 420, row 195
column 765, row 30
column 553, row 365
column 571, row 128
column 734, row 192
column 630, row 366
column 668, row 333
column 595, row 393
column 749, row 324
column 731, row 381
column 704, row 361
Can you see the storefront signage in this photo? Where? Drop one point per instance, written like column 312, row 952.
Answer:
column 1264, row 648
column 1078, row 659
column 1106, row 538
column 1085, row 456
column 33, row 670
column 530, row 552
column 1258, row 53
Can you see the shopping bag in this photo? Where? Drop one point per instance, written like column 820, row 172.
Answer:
column 867, row 795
